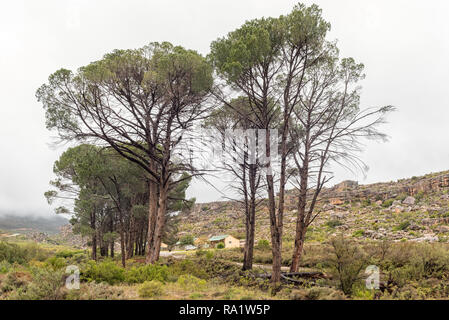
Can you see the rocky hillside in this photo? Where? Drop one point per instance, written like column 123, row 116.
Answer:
column 415, row 209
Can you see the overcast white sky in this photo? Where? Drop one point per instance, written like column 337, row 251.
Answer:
column 404, row 45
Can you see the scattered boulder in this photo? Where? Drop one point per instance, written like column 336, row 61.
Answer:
column 337, row 215
column 410, row 201
column 442, row 229
column 396, row 203
column 426, row 238
column 414, row 227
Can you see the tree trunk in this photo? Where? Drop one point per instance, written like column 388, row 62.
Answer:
column 151, row 220
column 160, row 224
column 299, row 245
column 112, row 248
column 275, row 223
column 130, row 251
column 250, row 222
column 112, row 242
column 301, row 223
column 276, row 244
column 249, row 243
column 94, row 236
column 122, row 240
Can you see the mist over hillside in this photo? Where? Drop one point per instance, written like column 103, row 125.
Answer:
column 23, row 223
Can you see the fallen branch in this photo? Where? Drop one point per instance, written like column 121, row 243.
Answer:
column 287, row 275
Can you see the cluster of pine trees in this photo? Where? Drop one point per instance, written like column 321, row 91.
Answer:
column 140, row 109
column 108, row 199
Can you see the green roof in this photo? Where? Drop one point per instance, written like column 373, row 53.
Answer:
column 218, row 238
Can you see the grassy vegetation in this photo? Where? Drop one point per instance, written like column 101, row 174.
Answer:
column 409, row 270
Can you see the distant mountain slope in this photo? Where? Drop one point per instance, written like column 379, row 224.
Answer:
column 415, row 209
column 29, row 223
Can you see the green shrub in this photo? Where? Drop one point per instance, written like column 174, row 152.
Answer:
column 55, row 263
column 402, row 226
column 21, row 254
column 47, row 284
column 366, row 202
column 334, row 223
column 146, row 273
column 209, row 254
column 358, row 233
column 188, row 266
column 151, row 289
column 14, row 281
column 263, row 244
column 107, row 271
column 220, row 245
column 187, row 239
column 68, row 253
column 419, row 196
column 189, row 282
column 378, row 197
column 5, row 266
column 12, row 253
column 347, row 263
column 402, row 196
column 387, row 203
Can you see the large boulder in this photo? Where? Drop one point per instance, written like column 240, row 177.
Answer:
column 409, row 201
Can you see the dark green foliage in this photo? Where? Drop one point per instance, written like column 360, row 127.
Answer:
column 263, row 244
column 347, row 263
column 147, row 273
column 55, row 263
column 333, row 223
column 47, row 284
column 14, row 253
column 187, row 239
column 387, row 203
column 402, row 226
column 111, row 273
column 107, row 271
column 68, row 253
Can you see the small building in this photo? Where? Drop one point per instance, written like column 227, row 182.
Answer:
column 227, row 240
column 190, row 247
column 164, row 246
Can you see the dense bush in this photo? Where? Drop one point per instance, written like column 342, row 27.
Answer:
column 263, row 244
column 187, row 239
column 348, row 261
column 5, row 266
column 111, row 273
column 69, row 253
column 47, row 284
column 107, row 271
column 15, row 280
column 189, row 282
column 146, row 273
column 55, row 263
column 334, row 223
column 387, row 203
column 14, row 253
column 151, row 289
